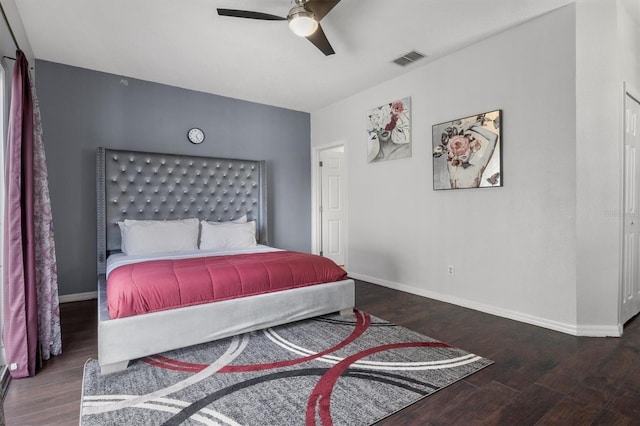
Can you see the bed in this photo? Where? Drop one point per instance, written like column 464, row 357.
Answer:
column 135, row 185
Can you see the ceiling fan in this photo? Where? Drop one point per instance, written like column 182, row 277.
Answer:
column 304, row 20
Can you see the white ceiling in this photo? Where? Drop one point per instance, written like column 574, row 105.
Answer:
column 633, row 7
column 185, row 43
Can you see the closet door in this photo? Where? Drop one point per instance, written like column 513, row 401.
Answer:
column 332, row 205
column 631, row 229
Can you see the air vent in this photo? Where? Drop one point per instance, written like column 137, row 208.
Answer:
column 408, row 58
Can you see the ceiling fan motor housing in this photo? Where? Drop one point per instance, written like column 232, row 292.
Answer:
column 302, row 21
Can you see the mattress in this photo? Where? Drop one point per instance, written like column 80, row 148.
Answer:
column 143, row 285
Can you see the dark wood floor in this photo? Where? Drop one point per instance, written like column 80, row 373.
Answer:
column 539, row 377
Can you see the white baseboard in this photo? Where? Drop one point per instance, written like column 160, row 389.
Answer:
column 573, row 329
column 599, row 331
column 78, row 297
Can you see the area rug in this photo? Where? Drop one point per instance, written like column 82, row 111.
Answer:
column 340, row 370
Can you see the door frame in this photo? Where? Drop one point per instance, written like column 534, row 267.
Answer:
column 627, row 90
column 315, row 197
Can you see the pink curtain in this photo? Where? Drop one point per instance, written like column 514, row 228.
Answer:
column 31, row 315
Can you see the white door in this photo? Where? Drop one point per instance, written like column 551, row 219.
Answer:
column 631, row 228
column 332, row 208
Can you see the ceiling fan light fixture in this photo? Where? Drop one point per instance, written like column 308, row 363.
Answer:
column 302, row 22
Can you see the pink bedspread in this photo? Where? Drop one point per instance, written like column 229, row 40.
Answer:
column 159, row 285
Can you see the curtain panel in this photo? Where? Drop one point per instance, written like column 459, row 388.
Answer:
column 31, row 314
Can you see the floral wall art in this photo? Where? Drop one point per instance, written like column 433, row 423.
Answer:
column 466, row 152
column 389, row 131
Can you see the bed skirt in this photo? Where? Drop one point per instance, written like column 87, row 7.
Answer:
column 124, row 339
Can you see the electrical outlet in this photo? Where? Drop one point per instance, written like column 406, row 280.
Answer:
column 13, row 366
column 450, row 270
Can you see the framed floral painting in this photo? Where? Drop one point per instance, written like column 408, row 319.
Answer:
column 389, row 131
column 466, row 152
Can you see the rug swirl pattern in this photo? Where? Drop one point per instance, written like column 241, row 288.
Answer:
column 329, row 370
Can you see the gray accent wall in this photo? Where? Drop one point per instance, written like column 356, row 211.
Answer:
column 83, row 109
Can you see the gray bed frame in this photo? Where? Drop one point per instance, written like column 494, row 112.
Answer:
column 144, row 185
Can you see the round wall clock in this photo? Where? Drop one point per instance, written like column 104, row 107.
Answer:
column 195, row 135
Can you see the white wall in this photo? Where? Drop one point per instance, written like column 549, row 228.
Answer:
column 599, row 157
column 6, row 45
column 607, row 54
column 629, row 44
column 513, row 248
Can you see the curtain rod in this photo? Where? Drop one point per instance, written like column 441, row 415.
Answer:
column 13, row 36
column 13, row 59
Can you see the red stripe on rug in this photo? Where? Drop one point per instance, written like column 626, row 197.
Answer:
column 178, row 363
column 321, row 394
column 362, row 324
column 173, row 364
column 363, row 320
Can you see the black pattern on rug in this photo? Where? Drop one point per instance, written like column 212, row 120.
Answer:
column 340, row 370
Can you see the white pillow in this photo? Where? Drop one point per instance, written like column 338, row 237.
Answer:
column 241, row 219
column 158, row 236
column 227, row 235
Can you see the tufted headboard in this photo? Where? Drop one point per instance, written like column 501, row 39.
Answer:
column 146, row 185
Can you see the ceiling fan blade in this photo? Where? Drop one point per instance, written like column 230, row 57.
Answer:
column 319, row 39
column 320, row 7
column 249, row 14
